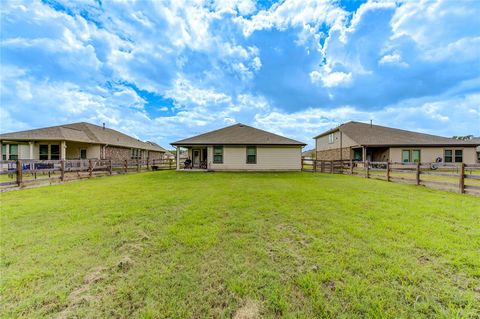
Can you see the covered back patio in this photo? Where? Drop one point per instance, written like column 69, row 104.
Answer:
column 371, row 154
column 196, row 157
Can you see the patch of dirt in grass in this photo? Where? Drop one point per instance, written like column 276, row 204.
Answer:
column 125, row 264
column 330, row 285
column 249, row 310
column 80, row 295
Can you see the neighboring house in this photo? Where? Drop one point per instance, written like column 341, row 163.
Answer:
column 360, row 141
column 310, row 154
column 76, row 141
column 241, row 147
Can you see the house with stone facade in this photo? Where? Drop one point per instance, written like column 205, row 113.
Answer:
column 76, row 141
column 361, row 141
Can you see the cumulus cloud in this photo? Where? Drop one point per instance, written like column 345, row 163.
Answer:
column 165, row 70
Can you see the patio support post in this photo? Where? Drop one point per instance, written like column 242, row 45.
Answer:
column 63, row 148
column 178, row 157
column 30, row 144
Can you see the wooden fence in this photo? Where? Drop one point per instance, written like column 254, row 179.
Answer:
column 457, row 177
column 22, row 173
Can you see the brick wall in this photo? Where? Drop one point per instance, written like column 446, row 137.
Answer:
column 333, row 154
column 155, row 155
column 117, row 153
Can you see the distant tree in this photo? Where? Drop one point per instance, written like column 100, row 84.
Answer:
column 463, row 138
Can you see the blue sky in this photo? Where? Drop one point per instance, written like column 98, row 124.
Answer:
column 166, row 70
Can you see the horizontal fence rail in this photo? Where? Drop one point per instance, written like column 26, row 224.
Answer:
column 456, row 177
column 22, row 173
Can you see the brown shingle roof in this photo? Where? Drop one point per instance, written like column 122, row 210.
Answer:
column 376, row 135
column 238, row 134
column 81, row 132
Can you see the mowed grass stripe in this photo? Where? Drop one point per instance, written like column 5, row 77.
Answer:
column 195, row 245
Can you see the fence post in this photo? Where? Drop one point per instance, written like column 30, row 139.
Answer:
column 314, row 166
column 90, row 168
column 62, row 170
column 351, row 166
column 19, row 172
column 148, row 160
column 126, row 166
column 138, row 166
column 367, row 169
column 388, row 171
column 110, row 167
column 417, row 174
column 461, row 184
column 322, row 167
column 170, row 161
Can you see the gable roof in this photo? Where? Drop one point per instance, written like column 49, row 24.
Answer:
column 82, row 132
column 238, row 134
column 376, row 135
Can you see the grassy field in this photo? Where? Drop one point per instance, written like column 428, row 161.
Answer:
column 222, row 245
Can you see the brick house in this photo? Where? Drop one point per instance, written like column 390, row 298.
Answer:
column 76, row 141
column 361, row 141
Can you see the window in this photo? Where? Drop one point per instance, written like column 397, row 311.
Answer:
column 458, row 156
column 218, row 154
column 43, row 152
column 447, row 156
column 478, row 156
column 13, row 156
column 135, row 154
column 406, row 156
column 4, row 152
column 357, row 154
column 416, row 156
column 55, row 152
column 331, row 138
column 251, row 154
column 83, row 154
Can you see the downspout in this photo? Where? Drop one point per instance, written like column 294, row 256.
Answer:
column 341, row 147
column 104, row 151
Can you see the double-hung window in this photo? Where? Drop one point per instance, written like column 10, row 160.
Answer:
column 13, row 156
column 448, row 156
column 43, row 152
column 458, row 156
column 54, row 152
column 251, row 154
column 218, row 154
column 416, row 156
column 406, row 156
column 4, row 152
column 331, row 138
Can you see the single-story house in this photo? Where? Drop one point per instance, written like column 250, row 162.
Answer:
column 76, row 141
column 361, row 141
column 242, row 148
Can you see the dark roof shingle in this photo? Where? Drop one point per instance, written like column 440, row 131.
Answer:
column 238, row 134
column 376, row 135
column 82, row 132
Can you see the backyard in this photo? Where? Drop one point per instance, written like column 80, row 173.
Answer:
column 243, row 245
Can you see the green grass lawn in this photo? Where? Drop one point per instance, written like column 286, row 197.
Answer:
column 243, row 245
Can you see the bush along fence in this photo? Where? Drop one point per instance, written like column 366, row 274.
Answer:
column 456, row 177
column 22, row 173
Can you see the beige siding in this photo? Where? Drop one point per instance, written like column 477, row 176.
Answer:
column 430, row 154
column 322, row 143
column 73, row 150
column 274, row 158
